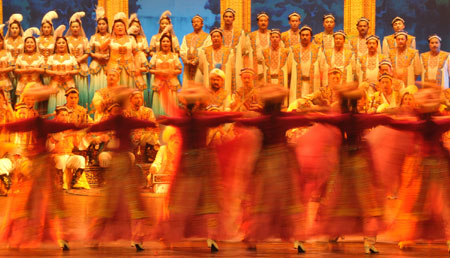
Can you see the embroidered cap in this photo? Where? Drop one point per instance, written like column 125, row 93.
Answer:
column 262, row 14
column 434, row 36
column 294, row 14
column 362, row 19
column 399, row 33
column 306, row 27
column 247, row 70
column 372, row 37
column 326, row 16
column 197, row 17
column 275, row 31
column 71, row 90
column 229, row 10
column 397, row 19
column 385, row 76
column 340, row 32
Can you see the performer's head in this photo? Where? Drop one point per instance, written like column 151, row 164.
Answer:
column 61, row 45
column 263, row 19
column 164, row 21
column 216, row 79
column 102, row 20
column 75, row 28
column 400, row 38
column 385, row 67
column 136, row 99
column 229, row 16
column 30, row 45
column 339, row 39
column 294, row 20
column 62, row 114
column 216, row 37
column 275, row 38
column 305, row 35
column 385, row 83
column 119, row 28
column 247, row 77
column 398, row 24
column 272, row 96
column 21, row 111
column 166, row 42
column 197, row 23
column 102, row 25
column 47, row 23
column 434, row 42
column 114, row 109
column 362, row 26
column 334, row 77
column 372, row 43
column 329, row 22
column 407, row 100
column 194, row 96
column 72, row 97
column 112, row 77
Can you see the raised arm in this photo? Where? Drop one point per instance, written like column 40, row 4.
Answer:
column 134, row 123
column 55, row 127
column 21, row 126
column 107, row 125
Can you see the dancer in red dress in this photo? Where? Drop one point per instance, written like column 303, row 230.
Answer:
column 36, row 213
column 351, row 203
column 122, row 201
column 425, row 197
column 194, row 196
column 276, row 207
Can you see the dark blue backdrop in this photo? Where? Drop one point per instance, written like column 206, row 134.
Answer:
column 423, row 17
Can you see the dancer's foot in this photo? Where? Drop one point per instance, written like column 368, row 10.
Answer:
column 405, row 244
column 213, row 245
column 299, row 246
column 64, row 245
column 138, row 247
column 369, row 245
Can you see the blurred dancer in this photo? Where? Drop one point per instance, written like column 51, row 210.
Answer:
column 275, row 206
column 424, row 212
column 36, row 213
column 194, row 204
column 122, row 199
column 350, row 204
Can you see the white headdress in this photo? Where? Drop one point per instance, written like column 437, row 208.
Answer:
column 76, row 17
column 48, row 17
column 17, row 17
column 30, row 31
column 133, row 31
column 165, row 14
column 59, row 32
column 99, row 13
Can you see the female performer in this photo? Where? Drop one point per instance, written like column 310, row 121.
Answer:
column 100, row 56
column 79, row 48
column 165, row 65
column 62, row 67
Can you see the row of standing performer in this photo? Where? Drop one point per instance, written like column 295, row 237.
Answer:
column 296, row 59
column 268, row 184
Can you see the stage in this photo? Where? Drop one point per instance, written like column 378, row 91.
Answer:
column 197, row 249
column 80, row 205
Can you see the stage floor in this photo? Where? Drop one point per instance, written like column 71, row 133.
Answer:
column 81, row 204
column 198, row 249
